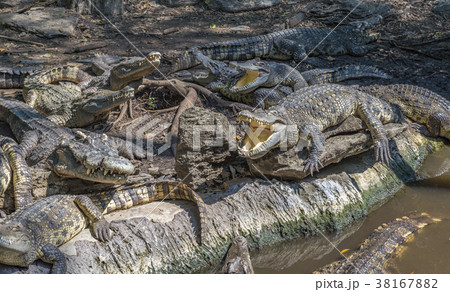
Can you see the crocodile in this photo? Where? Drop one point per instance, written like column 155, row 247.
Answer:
column 243, row 82
column 37, row 231
column 115, row 72
column 295, row 43
column 373, row 254
column 84, row 155
column 14, row 77
column 66, row 104
column 417, row 103
column 19, row 170
column 237, row 260
column 304, row 114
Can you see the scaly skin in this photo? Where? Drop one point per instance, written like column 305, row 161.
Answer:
column 294, row 43
column 66, row 105
column 14, row 77
column 377, row 249
column 21, row 173
column 264, row 84
column 87, row 156
column 116, row 73
column 419, row 104
column 310, row 111
column 36, row 231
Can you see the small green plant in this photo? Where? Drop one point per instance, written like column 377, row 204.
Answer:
column 151, row 101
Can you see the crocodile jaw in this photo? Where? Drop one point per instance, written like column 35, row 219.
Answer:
column 92, row 159
column 124, row 74
column 254, row 77
column 105, row 100
column 15, row 246
column 264, row 133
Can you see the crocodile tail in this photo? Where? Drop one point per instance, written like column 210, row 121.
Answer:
column 128, row 197
column 14, row 77
column 334, row 75
column 62, row 73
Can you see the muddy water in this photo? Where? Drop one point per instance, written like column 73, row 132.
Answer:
column 427, row 252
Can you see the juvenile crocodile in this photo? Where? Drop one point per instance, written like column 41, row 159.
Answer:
column 377, row 249
column 237, row 260
column 295, row 43
column 243, row 82
column 417, row 103
column 93, row 157
column 305, row 113
column 36, row 231
column 14, row 77
column 65, row 104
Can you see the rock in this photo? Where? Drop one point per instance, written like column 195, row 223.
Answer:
column 14, row 3
column 162, row 237
column 442, row 8
column 238, row 6
column 177, row 3
column 45, row 22
column 203, row 147
column 290, row 164
column 107, row 7
column 295, row 20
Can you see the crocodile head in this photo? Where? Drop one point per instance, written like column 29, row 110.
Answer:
column 265, row 132
column 15, row 246
column 358, row 31
column 127, row 72
column 256, row 74
column 102, row 102
column 217, row 71
column 91, row 157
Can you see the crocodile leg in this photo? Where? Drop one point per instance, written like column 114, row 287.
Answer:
column 312, row 133
column 266, row 97
column 51, row 254
column 376, row 129
column 291, row 48
column 100, row 227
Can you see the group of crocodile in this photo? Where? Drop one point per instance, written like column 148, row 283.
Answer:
column 291, row 106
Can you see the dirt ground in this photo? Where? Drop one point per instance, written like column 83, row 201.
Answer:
column 414, row 46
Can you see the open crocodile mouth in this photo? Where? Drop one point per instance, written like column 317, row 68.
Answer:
column 250, row 80
column 261, row 135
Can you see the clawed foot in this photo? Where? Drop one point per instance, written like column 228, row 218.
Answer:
column 311, row 164
column 101, row 230
column 382, row 152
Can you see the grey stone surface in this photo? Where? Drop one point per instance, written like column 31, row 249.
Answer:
column 14, row 3
column 442, row 8
column 237, row 6
column 45, row 22
column 177, row 3
column 106, row 7
column 203, row 147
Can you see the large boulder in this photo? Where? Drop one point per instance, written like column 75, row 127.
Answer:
column 238, row 6
column 205, row 146
column 46, row 22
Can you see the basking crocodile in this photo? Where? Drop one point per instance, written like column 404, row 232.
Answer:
column 375, row 251
column 88, row 156
column 305, row 113
column 117, row 72
column 19, row 170
column 65, row 104
column 243, row 82
column 295, row 43
column 417, row 103
column 36, row 231
column 14, row 77
column 237, row 260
